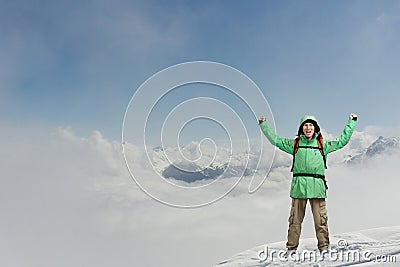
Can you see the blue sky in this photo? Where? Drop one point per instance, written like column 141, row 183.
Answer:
column 77, row 63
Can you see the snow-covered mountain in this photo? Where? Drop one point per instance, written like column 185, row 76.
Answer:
column 211, row 172
column 381, row 146
column 195, row 162
column 372, row 247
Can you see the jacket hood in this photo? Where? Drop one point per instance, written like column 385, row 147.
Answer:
column 308, row 118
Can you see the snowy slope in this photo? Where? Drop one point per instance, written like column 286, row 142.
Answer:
column 372, row 247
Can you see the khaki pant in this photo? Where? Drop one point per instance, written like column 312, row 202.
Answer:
column 297, row 212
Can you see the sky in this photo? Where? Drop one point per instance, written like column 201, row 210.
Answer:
column 70, row 63
column 69, row 70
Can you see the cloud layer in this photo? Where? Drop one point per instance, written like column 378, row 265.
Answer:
column 68, row 200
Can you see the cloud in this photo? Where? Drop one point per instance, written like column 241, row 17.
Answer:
column 68, row 200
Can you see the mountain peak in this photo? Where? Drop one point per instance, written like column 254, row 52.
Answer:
column 382, row 145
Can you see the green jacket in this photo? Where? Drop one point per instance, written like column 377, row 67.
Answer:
column 307, row 160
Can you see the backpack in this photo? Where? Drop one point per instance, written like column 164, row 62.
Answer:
column 320, row 148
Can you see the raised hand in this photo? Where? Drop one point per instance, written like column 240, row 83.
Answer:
column 353, row 116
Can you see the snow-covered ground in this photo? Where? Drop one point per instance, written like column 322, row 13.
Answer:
column 372, row 247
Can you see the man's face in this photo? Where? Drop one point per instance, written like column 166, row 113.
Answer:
column 308, row 129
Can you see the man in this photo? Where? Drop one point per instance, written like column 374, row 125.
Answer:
column 309, row 152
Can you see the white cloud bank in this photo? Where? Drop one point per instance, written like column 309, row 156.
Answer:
column 69, row 201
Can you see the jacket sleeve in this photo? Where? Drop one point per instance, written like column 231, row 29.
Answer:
column 283, row 144
column 332, row 145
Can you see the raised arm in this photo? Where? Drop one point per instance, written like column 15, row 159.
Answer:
column 283, row 144
column 337, row 143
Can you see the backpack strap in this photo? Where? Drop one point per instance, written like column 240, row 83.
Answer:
column 315, row 176
column 296, row 147
column 320, row 140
